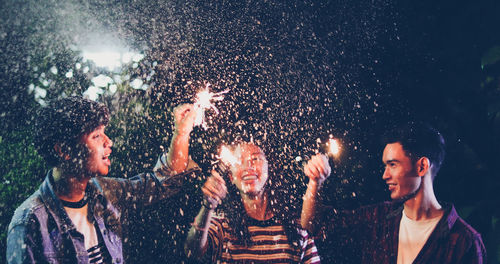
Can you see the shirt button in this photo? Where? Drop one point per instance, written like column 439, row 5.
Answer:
column 105, row 231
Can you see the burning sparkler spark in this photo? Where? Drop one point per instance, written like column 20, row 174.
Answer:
column 333, row 147
column 227, row 157
column 204, row 100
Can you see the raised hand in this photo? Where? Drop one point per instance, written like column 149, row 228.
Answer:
column 184, row 116
column 318, row 169
column 214, row 190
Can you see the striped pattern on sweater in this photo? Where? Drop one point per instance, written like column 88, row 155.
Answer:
column 270, row 244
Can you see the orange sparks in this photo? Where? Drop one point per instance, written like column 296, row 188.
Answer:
column 204, row 101
column 227, row 157
column 333, row 147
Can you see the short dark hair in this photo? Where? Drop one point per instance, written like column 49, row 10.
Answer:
column 64, row 121
column 419, row 139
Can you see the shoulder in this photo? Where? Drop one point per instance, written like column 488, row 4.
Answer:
column 109, row 186
column 464, row 236
column 465, row 232
column 28, row 211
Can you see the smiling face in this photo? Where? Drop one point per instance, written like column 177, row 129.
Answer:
column 99, row 146
column 400, row 172
column 250, row 175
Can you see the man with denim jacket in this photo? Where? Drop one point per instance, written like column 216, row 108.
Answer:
column 76, row 215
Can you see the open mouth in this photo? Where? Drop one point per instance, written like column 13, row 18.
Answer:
column 249, row 177
column 106, row 159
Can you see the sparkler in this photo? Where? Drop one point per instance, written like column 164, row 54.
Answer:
column 226, row 159
column 333, row 147
column 204, row 101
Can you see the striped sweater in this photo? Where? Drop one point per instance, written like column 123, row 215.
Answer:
column 270, row 244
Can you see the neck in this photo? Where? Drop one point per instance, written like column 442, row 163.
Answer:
column 69, row 187
column 424, row 205
column 257, row 206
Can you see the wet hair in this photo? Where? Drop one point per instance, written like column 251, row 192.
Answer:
column 238, row 219
column 64, row 121
column 419, row 139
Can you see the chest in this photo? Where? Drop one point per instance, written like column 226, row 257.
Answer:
column 268, row 243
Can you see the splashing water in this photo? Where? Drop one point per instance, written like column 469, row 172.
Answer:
column 204, row 100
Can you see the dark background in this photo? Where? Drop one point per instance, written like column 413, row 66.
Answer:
column 296, row 71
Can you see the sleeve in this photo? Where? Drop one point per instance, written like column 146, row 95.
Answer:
column 24, row 244
column 309, row 254
column 148, row 188
column 338, row 222
column 162, row 170
column 343, row 232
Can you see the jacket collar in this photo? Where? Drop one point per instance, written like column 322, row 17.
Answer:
column 55, row 207
column 446, row 223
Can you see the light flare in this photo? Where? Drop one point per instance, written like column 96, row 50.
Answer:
column 333, row 147
column 205, row 100
column 227, row 157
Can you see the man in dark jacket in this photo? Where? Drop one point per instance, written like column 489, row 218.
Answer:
column 76, row 215
column 414, row 227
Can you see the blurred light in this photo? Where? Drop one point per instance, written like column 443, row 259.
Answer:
column 111, row 59
column 204, row 101
column 333, row 147
column 113, row 88
column 137, row 84
column 102, row 80
column 227, row 157
column 69, row 74
column 104, row 59
column 53, row 69
column 93, row 92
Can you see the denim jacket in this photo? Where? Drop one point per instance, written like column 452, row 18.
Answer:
column 41, row 232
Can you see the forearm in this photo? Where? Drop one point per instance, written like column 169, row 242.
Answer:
column 196, row 241
column 309, row 206
column 178, row 154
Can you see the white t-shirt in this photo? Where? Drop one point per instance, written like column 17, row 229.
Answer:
column 95, row 247
column 79, row 218
column 412, row 237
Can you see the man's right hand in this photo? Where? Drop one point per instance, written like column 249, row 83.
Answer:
column 184, row 117
column 178, row 154
column 214, row 190
column 317, row 169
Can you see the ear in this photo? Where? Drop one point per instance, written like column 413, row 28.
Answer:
column 230, row 175
column 60, row 153
column 423, row 166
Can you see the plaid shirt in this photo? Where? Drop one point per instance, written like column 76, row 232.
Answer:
column 370, row 235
